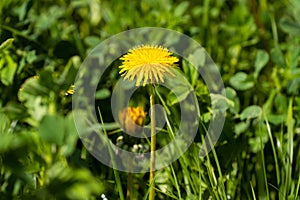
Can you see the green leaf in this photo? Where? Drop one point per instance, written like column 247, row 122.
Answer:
column 241, row 127
column 240, row 81
column 173, row 99
column 219, row 102
column 31, row 56
column 6, row 44
column 251, row 112
column 232, row 96
column 14, row 110
column 31, row 89
column 4, row 123
column 276, row 119
column 262, row 58
column 191, row 72
column 277, row 56
column 2, row 64
column 102, row 94
column 51, row 129
column 10, row 141
column 22, row 10
column 289, row 26
column 92, row 41
column 9, row 70
column 71, row 135
column 197, row 59
column 181, row 8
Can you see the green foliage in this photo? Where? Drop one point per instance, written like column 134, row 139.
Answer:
column 256, row 45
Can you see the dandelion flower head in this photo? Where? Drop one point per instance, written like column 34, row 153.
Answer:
column 130, row 117
column 147, row 62
column 70, row 90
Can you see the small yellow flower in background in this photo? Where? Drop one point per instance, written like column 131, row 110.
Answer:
column 70, row 90
column 130, row 117
column 147, row 62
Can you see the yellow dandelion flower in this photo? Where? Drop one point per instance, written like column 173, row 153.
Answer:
column 147, row 62
column 131, row 116
column 70, row 90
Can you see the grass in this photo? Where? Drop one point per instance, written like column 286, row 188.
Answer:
column 255, row 45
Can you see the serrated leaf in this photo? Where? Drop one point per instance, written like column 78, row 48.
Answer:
column 30, row 89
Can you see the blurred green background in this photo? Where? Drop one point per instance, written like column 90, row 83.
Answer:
column 255, row 44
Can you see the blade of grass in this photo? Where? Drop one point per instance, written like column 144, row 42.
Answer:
column 210, row 171
column 222, row 187
column 199, row 174
column 273, row 149
column 279, row 193
column 182, row 160
column 176, row 182
column 298, row 186
column 253, row 193
column 288, row 157
column 159, row 191
column 149, row 188
column 264, row 167
column 129, row 194
column 221, row 183
column 274, row 29
column 162, row 101
column 116, row 173
column 290, row 128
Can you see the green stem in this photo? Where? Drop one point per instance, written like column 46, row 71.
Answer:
column 129, row 187
column 153, row 144
column 259, row 23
